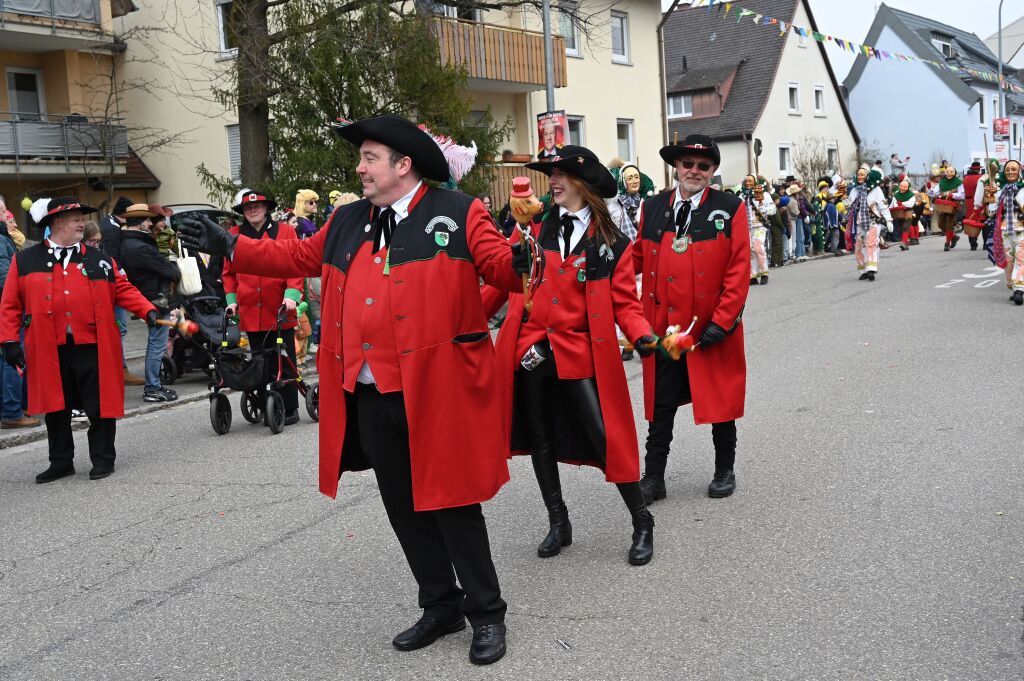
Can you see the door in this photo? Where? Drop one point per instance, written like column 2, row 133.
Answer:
column 25, row 93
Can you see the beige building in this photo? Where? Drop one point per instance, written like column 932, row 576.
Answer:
column 606, row 76
column 740, row 82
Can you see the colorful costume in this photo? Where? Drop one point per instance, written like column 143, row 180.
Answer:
column 949, row 189
column 903, row 199
column 867, row 213
column 305, row 213
column 1007, row 213
column 759, row 210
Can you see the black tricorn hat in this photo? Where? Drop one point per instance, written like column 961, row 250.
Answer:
column 248, row 196
column 700, row 145
column 63, row 204
column 582, row 163
column 404, row 137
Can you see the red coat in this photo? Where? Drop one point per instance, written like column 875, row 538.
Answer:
column 40, row 295
column 458, row 450
column 970, row 186
column 259, row 297
column 709, row 280
column 581, row 318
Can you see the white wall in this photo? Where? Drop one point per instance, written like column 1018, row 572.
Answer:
column 908, row 109
column 803, row 64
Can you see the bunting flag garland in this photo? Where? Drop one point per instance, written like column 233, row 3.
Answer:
column 725, row 9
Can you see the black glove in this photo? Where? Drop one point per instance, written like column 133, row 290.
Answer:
column 206, row 236
column 641, row 344
column 14, row 355
column 521, row 258
column 713, row 333
column 151, row 318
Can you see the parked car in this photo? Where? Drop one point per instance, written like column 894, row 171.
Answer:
column 184, row 211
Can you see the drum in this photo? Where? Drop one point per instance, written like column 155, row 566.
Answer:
column 946, row 206
column 901, row 213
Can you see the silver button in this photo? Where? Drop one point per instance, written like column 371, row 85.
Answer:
column 67, row 293
column 369, row 301
column 366, row 346
column 367, row 228
column 561, row 270
column 376, row 261
column 554, row 301
column 49, row 264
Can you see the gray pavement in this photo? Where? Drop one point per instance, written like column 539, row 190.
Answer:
column 876, row 532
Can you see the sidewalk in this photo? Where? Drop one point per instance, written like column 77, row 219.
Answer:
column 191, row 387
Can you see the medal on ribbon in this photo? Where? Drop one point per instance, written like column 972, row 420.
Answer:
column 680, row 244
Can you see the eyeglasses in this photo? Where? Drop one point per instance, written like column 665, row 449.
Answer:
column 702, row 166
column 95, row 243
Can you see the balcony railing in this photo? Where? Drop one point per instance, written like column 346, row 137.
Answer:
column 497, row 53
column 85, row 11
column 66, row 139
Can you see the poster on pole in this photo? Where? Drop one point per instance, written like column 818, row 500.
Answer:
column 1001, row 150
column 1000, row 128
column 551, row 132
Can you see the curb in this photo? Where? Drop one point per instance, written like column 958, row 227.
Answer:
column 39, row 432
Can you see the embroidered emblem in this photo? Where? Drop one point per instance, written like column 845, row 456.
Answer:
column 106, row 267
column 581, row 275
column 716, row 214
column 441, row 239
column 606, row 252
column 719, row 224
column 580, row 261
column 681, row 244
column 447, row 222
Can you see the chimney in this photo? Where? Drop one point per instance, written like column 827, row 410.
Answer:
column 684, row 63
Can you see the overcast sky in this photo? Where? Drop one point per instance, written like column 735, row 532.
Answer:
column 851, row 19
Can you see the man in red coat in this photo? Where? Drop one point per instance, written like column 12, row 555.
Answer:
column 971, row 211
column 693, row 254
column 64, row 294
column 407, row 368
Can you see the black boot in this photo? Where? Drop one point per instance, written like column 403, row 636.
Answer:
column 724, row 436
column 1018, row 298
column 545, row 466
column 653, row 488
column 642, row 549
column 55, row 472
column 723, row 484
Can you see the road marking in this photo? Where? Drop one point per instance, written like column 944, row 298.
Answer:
column 987, row 273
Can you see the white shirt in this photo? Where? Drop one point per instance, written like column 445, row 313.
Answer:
column 580, row 224
column 677, row 202
column 67, row 253
column 401, row 208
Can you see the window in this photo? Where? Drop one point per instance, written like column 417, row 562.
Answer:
column 234, row 153
column 624, row 134
column 577, row 131
column 785, row 159
column 819, row 100
column 981, row 112
column 25, row 93
column 1015, row 135
column 794, row 98
column 228, row 40
column 943, row 43
column 832, row 160
column 568, row 28
column 680, row 106
column 620, row 37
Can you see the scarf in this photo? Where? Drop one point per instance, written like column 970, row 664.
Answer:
column 947, row 184
column 630, row 203
column 904, row 196
column 858, row 215
column 1005, row 219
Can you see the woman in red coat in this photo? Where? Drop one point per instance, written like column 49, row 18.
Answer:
column 560, row 362
column 256, row 299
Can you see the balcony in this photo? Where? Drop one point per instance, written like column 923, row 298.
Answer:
column 499, row 59
column 48, row 147
column 52, row 25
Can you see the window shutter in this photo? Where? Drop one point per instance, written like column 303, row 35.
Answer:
column 234, row 153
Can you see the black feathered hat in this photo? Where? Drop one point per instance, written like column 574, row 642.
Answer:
column 582, row 163
column 63, row 204
column 699, row 145
column 404, row 137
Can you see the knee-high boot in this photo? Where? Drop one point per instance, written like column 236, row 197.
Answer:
column 642, row 550
column 545, row 467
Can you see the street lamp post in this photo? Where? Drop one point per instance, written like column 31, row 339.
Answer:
column 999, row 39
column 549, row 60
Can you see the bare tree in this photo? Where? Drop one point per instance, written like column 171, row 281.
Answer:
column 811, row 158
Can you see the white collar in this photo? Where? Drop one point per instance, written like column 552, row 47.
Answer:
column 401, row 206
column 582, row 215
column 51, row 244
column 695, row 199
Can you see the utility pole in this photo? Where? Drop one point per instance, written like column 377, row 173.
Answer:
column 1002, row 95
column 549, row 60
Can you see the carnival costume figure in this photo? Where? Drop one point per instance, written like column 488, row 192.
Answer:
column 305, row 212
column 867, row 214
column 633, row 187
column 1006, row 210
column 946, row 198
column 758, row 202
column 901, row 207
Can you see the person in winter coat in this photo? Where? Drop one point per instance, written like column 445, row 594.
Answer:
column 152, row 274
column 559, row 364
column 110, row 227
column 305, row 213
column 62, row 293
column 12, row 414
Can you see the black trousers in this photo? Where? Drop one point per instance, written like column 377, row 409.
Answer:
column 672, row 386
column 266, row 340
column 80, row 377
column 439, row 545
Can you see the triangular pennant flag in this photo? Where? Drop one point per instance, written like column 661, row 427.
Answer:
column 817, row 36
column 782, row 27
column 743, row 13
column 728, row 8
column 757, row 18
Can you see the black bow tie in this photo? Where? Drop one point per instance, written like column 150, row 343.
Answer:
column 682, row 217
column 385, row 225
column 568, row 227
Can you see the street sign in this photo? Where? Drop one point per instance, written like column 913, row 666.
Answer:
column 1000, row 128
column 757, row 147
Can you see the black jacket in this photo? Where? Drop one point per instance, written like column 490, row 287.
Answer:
column 147, row 270
column 110, row 230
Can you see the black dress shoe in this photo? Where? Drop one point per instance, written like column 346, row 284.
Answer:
column 764, row 280
column 863, row 276
column 427, row 630
column 1018, row 298
column 642, row 550
column 291, row 419
column 55, row 473
column 753, row 281
column 871, row 276
column 100, row 473
column 653, row 487
column 488, row 644
column 723, row 485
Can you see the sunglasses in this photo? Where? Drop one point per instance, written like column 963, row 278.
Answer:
column 702, row 166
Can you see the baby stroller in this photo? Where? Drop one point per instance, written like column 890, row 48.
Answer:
column 259, row 377
column 188, row 353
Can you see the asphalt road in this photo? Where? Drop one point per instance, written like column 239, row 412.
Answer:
column 876, row 533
